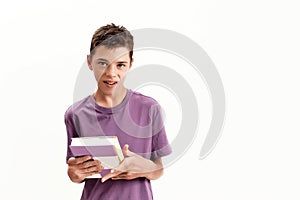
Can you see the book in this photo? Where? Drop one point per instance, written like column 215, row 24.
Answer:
column 107, row 149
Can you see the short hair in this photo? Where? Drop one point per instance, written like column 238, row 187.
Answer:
column 112, row 36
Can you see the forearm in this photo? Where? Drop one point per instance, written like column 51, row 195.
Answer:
column 154, row 169
column 154, row 174
column 135, row 166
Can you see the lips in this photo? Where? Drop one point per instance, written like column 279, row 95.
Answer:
column 110, row 82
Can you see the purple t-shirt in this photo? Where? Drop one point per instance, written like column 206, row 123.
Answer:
column 137, row 121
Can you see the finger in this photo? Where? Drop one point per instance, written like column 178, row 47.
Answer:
column 126, row 150
column 112, row 174
column 95, row 169
column 91, row 163
column 120, row 176
column 79, row 160
column 84, row 159
column 126, row 176
column 90, row 174
column 71, row 161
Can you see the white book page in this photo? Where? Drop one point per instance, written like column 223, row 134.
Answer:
column 108, row 162
column 94, row 141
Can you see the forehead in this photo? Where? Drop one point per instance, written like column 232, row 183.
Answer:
column 111, row 54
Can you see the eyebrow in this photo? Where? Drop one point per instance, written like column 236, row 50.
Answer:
column 102, row 59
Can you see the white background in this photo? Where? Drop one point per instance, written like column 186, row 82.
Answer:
column 254, row 45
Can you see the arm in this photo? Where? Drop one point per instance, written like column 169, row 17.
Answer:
column 135, row 166
column 157, row 172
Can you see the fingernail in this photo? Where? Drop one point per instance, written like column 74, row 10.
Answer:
column 112, row 171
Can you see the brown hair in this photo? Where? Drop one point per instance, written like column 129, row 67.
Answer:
column 112, row 36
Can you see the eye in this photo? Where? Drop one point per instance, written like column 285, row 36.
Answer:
column 121, row 65
column 102, row 63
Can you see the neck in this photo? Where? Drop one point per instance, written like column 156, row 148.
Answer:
column 110, row 100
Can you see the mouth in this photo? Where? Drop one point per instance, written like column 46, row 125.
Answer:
column 110, row 82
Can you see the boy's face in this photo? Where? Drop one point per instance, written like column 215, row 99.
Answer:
column 110, row 66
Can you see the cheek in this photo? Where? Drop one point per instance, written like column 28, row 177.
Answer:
column 97, row 75
column 124, row 73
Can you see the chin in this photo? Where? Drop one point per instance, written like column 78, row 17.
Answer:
column 107, row 92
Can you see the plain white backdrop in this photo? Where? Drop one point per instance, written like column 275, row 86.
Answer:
column 254, row 45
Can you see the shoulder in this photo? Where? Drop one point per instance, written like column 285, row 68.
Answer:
column 76, row 107
column 143, row 104
column 142, row 100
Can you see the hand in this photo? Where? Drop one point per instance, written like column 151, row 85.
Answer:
column 82, row 167
column 134, row 166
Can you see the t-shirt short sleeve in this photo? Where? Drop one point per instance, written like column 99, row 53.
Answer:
column 160, row 144
column 71, row 131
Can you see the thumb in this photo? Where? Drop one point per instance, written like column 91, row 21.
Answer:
column 126, row 150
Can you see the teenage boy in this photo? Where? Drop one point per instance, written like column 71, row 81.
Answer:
column 115, row 110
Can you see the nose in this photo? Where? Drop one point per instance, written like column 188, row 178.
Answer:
column 111, row 71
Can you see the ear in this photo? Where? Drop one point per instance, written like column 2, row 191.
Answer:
column 89, row 61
